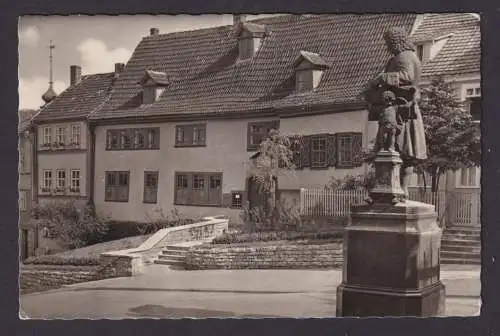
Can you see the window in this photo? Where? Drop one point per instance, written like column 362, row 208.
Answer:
column 47, row 181
column 236, row 200
column 117, row 186
column 468, row 177
column 133, row 138
column 339, row 150
column 75, row 135
column 61, row 136
column 198, row 189
column 319, row 152
column 304, row 80
column 150, row 187
column 246, row 48
column 22, row 159
column 47, row 136
column 259, row 131
column 60, row 180
column 349, row 148
column 23, row 199
column 75, row 181
column 190, row 135
column 420, row 52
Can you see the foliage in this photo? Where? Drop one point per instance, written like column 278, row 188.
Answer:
column 284, row 216
column 58, row 260
column 453, row 139
column 70, row 225
column 353, row 182
column 238, row 238
column 275, row 155
column 162, row 221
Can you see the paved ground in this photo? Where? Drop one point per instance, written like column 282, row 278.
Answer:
column 165, row 293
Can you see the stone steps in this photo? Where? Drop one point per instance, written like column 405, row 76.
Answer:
column 173, row 255
column 461, row 245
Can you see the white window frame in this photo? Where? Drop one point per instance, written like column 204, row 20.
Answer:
column 47, row 135
column 470, row 184
column 76, row 134
column 47, row 181
column 58, row 179
column 61, row 134
column 23, row 200
column 75, row 187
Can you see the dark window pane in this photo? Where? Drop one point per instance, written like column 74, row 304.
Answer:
column 198, row 182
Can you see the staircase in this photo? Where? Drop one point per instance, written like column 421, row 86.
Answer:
column 173, row 255
column 461, row 245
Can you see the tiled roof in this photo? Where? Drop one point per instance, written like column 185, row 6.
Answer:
column 460, row 55
column 79, row 100
column 207, row 77
column 437, row 25
column 313, row 58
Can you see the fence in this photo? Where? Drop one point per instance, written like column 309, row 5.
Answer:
column 457, row 207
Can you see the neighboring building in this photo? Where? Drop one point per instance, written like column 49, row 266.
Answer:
column 190, row 109
column 63, row 140
column 27, row 232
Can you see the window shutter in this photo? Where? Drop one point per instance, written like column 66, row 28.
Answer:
column 357, row 147
column 306, row 151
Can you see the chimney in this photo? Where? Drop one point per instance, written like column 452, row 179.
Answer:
column 154, row 31
column 238, row 19
column 75, row 73
column 119, row 68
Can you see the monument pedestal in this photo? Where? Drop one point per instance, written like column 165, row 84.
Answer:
column 391, row 262
column 391, row 252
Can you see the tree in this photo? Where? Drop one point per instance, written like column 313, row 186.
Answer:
column 453, row 139
column 274, row 157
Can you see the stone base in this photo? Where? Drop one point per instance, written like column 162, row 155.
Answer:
column 362, row 301
column 391, row 262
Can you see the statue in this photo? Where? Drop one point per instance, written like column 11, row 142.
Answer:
column 393, row 97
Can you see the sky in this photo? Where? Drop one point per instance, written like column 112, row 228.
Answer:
column 95, row 43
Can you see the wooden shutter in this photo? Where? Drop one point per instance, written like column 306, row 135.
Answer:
column 306, row 151
column 331, row 150
column 357, row 147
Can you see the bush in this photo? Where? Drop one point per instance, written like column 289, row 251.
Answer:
column 285, row 217
column 124, row 229
column 70, row 225
column 236, row 238
column 62, row 261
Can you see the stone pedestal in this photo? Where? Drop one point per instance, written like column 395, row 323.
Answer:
column 391, row 262
column 391, row 252
column 387, row 175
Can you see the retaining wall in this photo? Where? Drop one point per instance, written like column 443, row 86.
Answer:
column 290, row 256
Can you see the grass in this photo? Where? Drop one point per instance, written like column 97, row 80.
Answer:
column 96, row 249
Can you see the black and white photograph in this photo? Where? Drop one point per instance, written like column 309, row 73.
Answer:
column 249, row 166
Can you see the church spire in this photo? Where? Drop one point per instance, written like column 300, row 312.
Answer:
column 50, row 94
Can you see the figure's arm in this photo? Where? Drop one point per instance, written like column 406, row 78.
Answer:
column 403, row 70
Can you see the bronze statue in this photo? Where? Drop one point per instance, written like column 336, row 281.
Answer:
column 401, row 76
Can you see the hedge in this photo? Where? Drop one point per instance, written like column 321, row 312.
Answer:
column 236, row 238
column 60, row 261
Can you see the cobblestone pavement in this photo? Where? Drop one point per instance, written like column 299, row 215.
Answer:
column 165, row 293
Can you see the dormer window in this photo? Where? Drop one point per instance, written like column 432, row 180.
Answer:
column 309, row 68
column 250, row 37
column 153, row 84
column 429, row 48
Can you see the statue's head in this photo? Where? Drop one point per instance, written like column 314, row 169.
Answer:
column 397, row 40
column 388, row 97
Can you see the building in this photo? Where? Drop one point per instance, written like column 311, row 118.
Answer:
column 63, row 140
column 189, row 110
column 27, row 232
